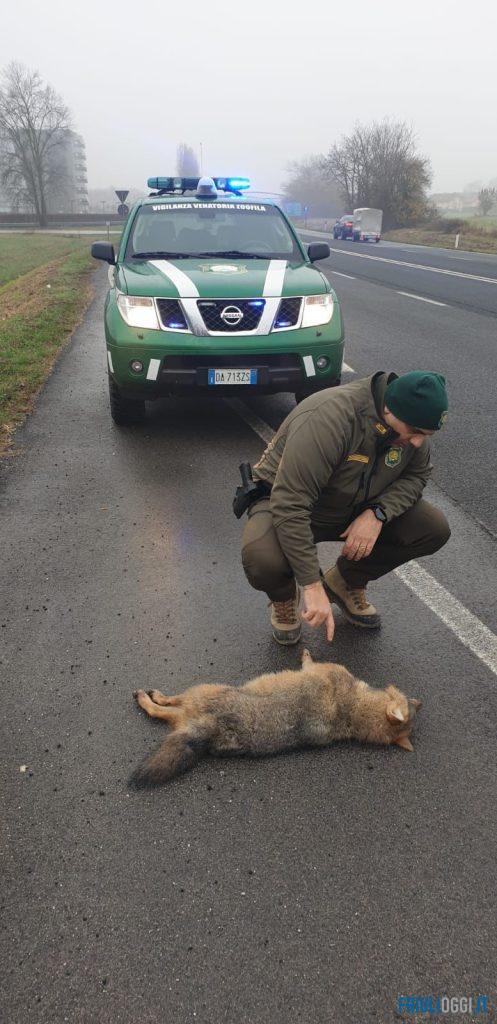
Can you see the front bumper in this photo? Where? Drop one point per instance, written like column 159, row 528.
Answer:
column 175, row 363
column 182, row 375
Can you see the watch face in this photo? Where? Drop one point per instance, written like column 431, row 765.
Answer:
column 380, row 514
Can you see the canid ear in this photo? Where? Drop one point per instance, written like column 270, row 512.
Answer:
column 306, row 657
column 404, row 742
column 395, row 714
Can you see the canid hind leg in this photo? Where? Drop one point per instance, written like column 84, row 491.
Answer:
column 163, row 700
column 173, row 716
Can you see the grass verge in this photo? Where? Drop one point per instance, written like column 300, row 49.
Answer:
column 482, row 241
column 21, row 253
column 38, row 313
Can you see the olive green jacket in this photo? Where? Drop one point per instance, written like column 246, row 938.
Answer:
column 331, row 457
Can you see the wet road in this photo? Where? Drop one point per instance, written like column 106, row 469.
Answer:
column 313, row 887
column 464, row 279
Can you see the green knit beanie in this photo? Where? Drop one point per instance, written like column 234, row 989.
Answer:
column 418, row 399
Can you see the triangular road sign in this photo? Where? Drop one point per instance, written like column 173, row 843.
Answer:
column 122, row 194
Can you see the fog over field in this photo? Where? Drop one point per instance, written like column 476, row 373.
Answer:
column 260, row 84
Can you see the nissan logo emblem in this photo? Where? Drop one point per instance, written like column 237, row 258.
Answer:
column 231, row 315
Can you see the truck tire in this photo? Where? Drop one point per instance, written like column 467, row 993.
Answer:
column 124, row 411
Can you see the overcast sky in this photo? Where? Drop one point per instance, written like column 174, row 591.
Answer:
column 263, row 82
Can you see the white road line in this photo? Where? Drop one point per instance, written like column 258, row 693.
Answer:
column 416, row 266
column 412, row 247
column 347, row 368
column 421, row 298
column 469, row 630
column 340, row 274
column 258, row 426
column 472, row 633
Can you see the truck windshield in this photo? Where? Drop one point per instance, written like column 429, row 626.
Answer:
column 251, row 230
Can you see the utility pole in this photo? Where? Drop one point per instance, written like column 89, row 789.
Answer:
column 201, row 159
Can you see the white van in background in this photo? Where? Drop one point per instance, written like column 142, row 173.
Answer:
column 367, row 224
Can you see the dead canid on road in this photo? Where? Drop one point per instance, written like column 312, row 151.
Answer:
column 275, row 712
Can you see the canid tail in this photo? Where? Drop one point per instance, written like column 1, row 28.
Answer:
column 179, row 752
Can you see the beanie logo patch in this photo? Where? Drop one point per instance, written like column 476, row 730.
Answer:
column 442, row 419
column 393, row 457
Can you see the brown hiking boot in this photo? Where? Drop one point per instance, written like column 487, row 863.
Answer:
column 353, row 601
column 285, row 620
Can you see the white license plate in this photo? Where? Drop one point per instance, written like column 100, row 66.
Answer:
column 226, row 376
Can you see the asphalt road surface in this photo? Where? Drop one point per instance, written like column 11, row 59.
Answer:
column 314, row 887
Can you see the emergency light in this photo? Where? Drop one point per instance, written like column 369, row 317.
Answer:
column 180, row 184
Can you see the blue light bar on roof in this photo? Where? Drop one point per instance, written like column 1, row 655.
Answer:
column 237, row 184
column 178, row 184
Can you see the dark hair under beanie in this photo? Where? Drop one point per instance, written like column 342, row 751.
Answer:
column 418, row 399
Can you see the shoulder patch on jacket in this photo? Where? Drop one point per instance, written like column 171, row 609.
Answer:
column 393, row 456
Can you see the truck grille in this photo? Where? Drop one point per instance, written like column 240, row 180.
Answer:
column 171, row 315
column 288, row 313
column 231, row 314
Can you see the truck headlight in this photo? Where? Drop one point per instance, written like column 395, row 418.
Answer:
column 138, row 311
column 318, row 309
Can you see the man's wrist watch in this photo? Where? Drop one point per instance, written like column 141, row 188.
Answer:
column 379, row 513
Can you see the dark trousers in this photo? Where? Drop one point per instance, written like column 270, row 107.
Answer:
column 422, row 530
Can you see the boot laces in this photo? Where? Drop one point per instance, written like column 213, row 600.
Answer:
column 286, row 611
column 359, row 598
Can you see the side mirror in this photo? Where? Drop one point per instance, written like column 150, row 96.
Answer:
column 318, row 251
column 103, row 251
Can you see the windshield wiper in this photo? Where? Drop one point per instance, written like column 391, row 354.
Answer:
column 162, row 255
column 224, row 254
column 232, row 253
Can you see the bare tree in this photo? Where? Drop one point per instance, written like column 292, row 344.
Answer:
column 186, row 161
column 486, row 199
column 34, row 121
column 309, row 185
column 377, row 165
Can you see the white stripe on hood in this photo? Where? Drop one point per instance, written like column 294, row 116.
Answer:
column 184, row 284
column 273, row 285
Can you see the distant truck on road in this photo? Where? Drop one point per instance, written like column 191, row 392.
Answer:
column 367, row 224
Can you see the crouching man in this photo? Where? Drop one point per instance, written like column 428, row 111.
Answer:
column 349, row 463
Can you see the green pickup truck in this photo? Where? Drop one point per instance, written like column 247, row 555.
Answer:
column 213, row 292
